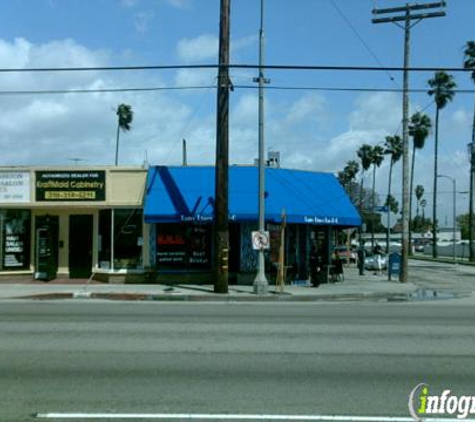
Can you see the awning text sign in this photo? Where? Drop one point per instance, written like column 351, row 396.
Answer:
column 14, row 186
column 70, row 186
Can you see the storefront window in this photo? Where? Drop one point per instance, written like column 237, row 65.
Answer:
column 15, row 237
column 127, row 240
column 183, row 247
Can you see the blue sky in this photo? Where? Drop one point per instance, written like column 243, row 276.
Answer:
column 315, row 130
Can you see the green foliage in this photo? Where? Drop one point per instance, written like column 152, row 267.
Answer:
column 469, row 58
column 462, row 223
column 394, row 148
column 419, row 129
column 420, row 224
column 442, row 88
column 392, row 203
column 419, row 191
column 364, row 154
column 125, row 116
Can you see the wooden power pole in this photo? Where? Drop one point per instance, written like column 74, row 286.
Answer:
column 407, row 14
column 221, row 228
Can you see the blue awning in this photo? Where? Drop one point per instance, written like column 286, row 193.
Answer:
column 178, row 194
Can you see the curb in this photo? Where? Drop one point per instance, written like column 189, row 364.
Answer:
column 211, row 298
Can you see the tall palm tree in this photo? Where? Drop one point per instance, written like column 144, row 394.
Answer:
column 365, row 155
column 351, row 170
column 469, row 63
column 419, row 195
column 442, row 87
column 125, row 116
column 393, row 147
column 377, row 157
column 419, row 129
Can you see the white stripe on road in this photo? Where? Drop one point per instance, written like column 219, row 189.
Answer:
column 239, row 417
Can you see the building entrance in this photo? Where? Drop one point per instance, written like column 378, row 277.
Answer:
column 80, row 245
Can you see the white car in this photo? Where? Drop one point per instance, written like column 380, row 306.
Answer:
column 376, row 262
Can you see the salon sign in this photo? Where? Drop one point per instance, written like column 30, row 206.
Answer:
column 14, row 186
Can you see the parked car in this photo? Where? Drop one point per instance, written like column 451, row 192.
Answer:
column 376, row 262
column 345, row 254
column 419, row 244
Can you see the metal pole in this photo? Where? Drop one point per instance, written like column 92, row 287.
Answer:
column 454, row 181
column 185, row 159
column 261, row 285
column 405, row 155
column 471, row 256
column 112, row 267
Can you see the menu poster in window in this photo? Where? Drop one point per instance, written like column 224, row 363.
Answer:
column 14, row 244
column 184, row 246
column 171, row 249
column 199, row 247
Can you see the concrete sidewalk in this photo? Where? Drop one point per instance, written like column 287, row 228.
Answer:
column 354, row 287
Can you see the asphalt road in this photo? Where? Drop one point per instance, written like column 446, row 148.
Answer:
column 284, row 359
column 442, row 276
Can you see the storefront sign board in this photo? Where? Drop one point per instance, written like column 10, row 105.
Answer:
column 70, row 186
column 14, row 186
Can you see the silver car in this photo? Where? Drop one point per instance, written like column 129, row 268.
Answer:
column 376, row 262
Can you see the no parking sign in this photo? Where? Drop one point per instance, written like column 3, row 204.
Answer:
column 260, row 240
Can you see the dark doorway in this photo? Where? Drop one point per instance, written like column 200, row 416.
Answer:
column 80, row 245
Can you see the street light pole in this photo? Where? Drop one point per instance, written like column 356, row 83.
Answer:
column 261, row 285
column 454, row 213
column 471, row 154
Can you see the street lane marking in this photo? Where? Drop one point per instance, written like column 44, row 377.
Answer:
column 240, row 417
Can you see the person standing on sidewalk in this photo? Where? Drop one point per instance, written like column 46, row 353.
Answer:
column 361, row 256
column 315, row 266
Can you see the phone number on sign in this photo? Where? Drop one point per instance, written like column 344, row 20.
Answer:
column 70, row 195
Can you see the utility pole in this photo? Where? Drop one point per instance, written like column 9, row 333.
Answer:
column 395, row 15
column 185, row 159
column 221, row 211
column 260, row 283
column 471, row 155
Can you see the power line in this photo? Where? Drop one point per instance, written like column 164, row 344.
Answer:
column 101, row 90
column 352, row 27
column 207, row 87
column 234, row 66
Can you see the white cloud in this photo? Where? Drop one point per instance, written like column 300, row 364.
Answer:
column 142, row 21
column 311, row 106
column 206, row 47
column 379, row 112
column 461, row 117
column 129, row 3
column 180, row 4
column 49, row 129
column 203, row 47
column 195, row 77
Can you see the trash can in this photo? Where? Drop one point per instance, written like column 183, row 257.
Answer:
column 394, row 265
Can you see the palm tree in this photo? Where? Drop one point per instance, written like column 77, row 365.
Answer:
column 393, row 145
column 365, row 155
column 442, row 88
column 419, row 195
column 377, row 157
column 469, row 63
column 351, row 170
column 419, row 129
column 125, row 117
